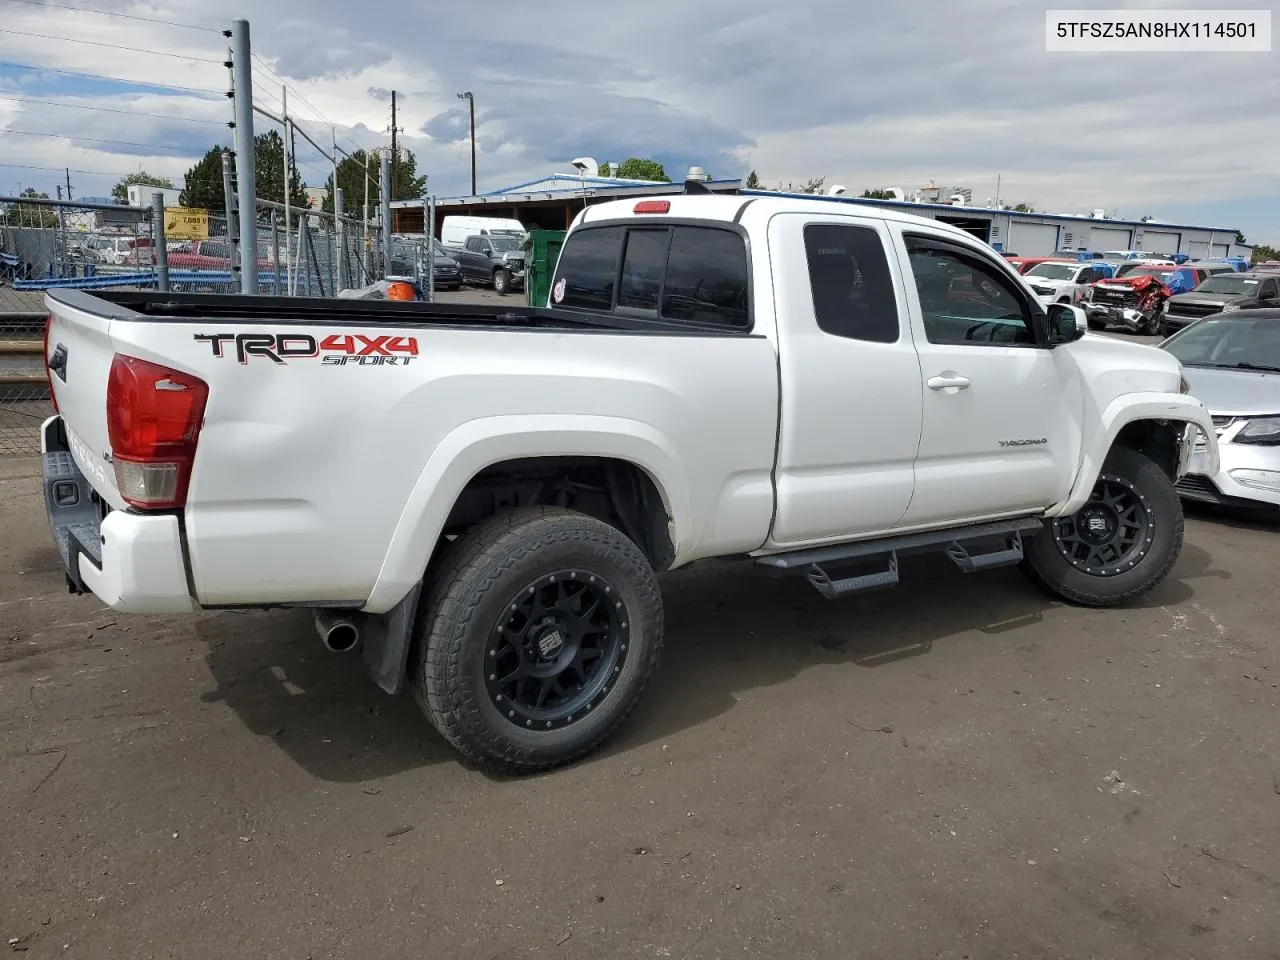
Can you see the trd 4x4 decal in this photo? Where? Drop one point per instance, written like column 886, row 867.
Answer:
column 335, row 350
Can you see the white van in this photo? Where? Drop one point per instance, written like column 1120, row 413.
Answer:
column 455, row 230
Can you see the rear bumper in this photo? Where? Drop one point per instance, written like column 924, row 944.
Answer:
column 131, row 562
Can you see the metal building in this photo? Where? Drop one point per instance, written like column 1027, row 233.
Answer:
column 553, row 201
column 1043, row 234
column 548, row 203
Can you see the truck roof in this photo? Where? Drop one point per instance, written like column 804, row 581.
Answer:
column 727, row 209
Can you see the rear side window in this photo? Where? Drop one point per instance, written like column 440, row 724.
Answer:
column 706, row 280
column 643, row 264
column 850, row 281
column 587, row 269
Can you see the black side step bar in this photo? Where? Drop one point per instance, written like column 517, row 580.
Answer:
column 964, row 545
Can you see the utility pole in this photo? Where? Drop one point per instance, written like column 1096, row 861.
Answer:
column 385, row 202
column 395, row 153
column 471, row 103
column 69, row 196
column 246, row 178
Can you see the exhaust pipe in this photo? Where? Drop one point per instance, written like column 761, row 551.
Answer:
column 339, row 634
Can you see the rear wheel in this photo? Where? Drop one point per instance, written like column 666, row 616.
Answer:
column 543, row 627
column 1120, row 544
column 502, row 280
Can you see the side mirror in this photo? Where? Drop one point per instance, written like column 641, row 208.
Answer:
column 1066, row 323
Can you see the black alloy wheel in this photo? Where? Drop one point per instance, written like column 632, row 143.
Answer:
column 1111, row 533
column 558, row 645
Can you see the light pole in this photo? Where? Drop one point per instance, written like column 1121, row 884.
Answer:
column 471, row 102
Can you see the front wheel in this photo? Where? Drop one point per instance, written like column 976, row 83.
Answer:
column 1120, row 544
column 1096, row 324
column 543, row 627
column 502, row 280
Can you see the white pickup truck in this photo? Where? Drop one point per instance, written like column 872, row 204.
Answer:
column 479, row 500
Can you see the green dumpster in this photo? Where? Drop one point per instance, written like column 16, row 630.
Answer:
column 541, row 251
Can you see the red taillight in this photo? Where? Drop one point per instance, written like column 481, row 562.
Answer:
column 48, row 370
column 652, row 206
column 153, row 421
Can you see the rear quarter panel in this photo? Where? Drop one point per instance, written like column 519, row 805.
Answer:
column 325, row 479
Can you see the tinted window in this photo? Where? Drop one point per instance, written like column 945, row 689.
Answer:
column 706, row 279
column 643, row 264
column 964, row 299
column 849, row 277
column 588, row 267
column 473, row 244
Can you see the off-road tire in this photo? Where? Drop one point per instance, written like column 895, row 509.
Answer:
column 1045, row 564
column 468, row 596
column 502, row 280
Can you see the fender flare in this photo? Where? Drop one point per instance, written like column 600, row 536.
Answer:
column 1131, row 408
column 481, row 443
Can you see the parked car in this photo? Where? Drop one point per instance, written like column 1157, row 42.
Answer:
column 454, row 229
column 1179, row 279
column 213, row 255
column 408, row 261
column 1056, row 282
column 1232, row 362
column 1135, row 302
column 494, row 260
column 1127, row 254
column 703, row 387
column 112, row 250
column 1024, row 264
column 1223, row 293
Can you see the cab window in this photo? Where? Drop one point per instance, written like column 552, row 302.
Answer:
column 965, row 300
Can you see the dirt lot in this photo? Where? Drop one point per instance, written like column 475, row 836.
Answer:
column 958, row 768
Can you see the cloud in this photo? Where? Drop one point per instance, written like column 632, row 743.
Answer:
column 863, row 93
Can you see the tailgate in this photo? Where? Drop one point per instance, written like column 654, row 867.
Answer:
column 79, row 353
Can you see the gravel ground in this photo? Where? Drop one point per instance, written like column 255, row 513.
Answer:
column 959, row 768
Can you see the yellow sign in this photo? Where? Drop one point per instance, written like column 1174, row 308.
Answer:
column 186, row 223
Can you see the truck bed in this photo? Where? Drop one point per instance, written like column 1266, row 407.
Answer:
column 127, row 305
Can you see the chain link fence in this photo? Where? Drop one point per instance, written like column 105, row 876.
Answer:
column 24, row 391
column 50, row 245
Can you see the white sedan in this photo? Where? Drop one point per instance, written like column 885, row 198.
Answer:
column 1232, row 364
column 1063, row 282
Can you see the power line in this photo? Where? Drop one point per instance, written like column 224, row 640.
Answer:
column 131, row 113
column 102, row 173
column 112, row 13
column 66, row 136
column 112, row 46
column 98, row 76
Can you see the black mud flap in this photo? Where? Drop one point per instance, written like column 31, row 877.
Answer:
column 385, row 641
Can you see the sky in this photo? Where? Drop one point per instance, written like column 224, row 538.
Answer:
column 865, row 94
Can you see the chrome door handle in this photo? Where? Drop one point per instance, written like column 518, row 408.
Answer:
column 953, row 380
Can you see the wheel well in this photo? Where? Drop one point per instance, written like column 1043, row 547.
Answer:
column 1157, row 439
column 615, row 491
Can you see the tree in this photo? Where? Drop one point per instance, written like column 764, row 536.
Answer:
column 753, row 182
column 1262, row 252
column 120, row 192
column 203, row 182
column 268, row 161
column 1024, row 207
column 202, row 186
column 1240, row 237
column 408, row 185
column 1146, row 218
column 877, row 194
column 640, row 168
column 29, row 214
